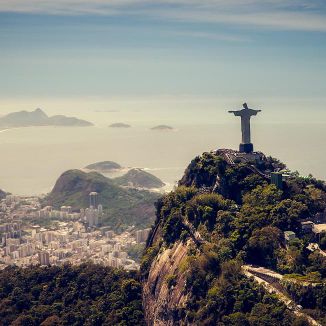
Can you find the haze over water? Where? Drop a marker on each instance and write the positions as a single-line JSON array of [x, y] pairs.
[[34, 157]]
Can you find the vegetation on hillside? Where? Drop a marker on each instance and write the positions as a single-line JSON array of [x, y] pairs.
[[122, 207], [70, 295], [139, 178], [233, 217]]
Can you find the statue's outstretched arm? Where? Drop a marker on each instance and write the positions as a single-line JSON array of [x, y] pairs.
[[236, 113], [256, 111]]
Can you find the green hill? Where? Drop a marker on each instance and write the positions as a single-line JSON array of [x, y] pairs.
[[222, 218], [139, 178], [122, 207]]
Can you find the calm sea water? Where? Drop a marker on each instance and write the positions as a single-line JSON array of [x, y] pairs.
[[33, 158]]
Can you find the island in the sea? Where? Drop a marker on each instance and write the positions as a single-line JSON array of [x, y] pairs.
[[119, 125], [39, 118], [162, 127], [103, 167]]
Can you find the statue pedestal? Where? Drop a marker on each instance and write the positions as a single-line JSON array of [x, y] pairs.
[[246, 148]]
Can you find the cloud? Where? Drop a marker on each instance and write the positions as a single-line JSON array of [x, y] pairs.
[[276, 20], [302, 15], [212, 36]]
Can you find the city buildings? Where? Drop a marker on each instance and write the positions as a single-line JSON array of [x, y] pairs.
[[142, 235], [32, 235], [44, 258]]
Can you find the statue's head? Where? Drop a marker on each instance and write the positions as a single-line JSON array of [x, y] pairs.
[[245, 105]]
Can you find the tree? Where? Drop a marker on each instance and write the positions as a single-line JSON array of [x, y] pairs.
[[286, 215], [262, 245], [322, 241]]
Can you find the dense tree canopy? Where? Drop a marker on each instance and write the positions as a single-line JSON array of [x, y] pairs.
[[70, 295]]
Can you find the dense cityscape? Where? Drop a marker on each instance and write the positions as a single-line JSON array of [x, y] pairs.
[[31, 234]]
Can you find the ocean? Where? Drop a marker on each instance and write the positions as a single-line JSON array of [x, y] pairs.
[[33, 158]]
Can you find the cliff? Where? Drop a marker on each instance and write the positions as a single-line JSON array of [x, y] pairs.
[[163, 292], [225, 215]]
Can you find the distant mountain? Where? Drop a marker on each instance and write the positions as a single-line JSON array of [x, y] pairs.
[[122, 207], [105, 166], [39, 118], [119, 125], [138, 178], [162, 127]]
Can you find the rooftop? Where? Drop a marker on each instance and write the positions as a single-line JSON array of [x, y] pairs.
[[290, 232], [319, 228]]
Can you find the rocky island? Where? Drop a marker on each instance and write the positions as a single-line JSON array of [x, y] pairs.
[[162, 128], [119, 125], [104, 166]]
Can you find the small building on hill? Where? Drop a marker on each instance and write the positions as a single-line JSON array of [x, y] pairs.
[[289, 235], [307, 226], [277, 179]]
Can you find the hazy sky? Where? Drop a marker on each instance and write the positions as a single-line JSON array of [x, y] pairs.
[[178, 62], [223, 48]]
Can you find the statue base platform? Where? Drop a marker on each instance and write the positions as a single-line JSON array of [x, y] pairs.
[[246, 148]]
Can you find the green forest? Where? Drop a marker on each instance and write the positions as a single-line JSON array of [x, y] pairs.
[[70, 295]]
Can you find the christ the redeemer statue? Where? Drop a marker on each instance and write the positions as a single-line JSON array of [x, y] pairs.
[[245, 114]]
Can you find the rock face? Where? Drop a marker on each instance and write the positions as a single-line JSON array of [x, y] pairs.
[[160, 298]]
